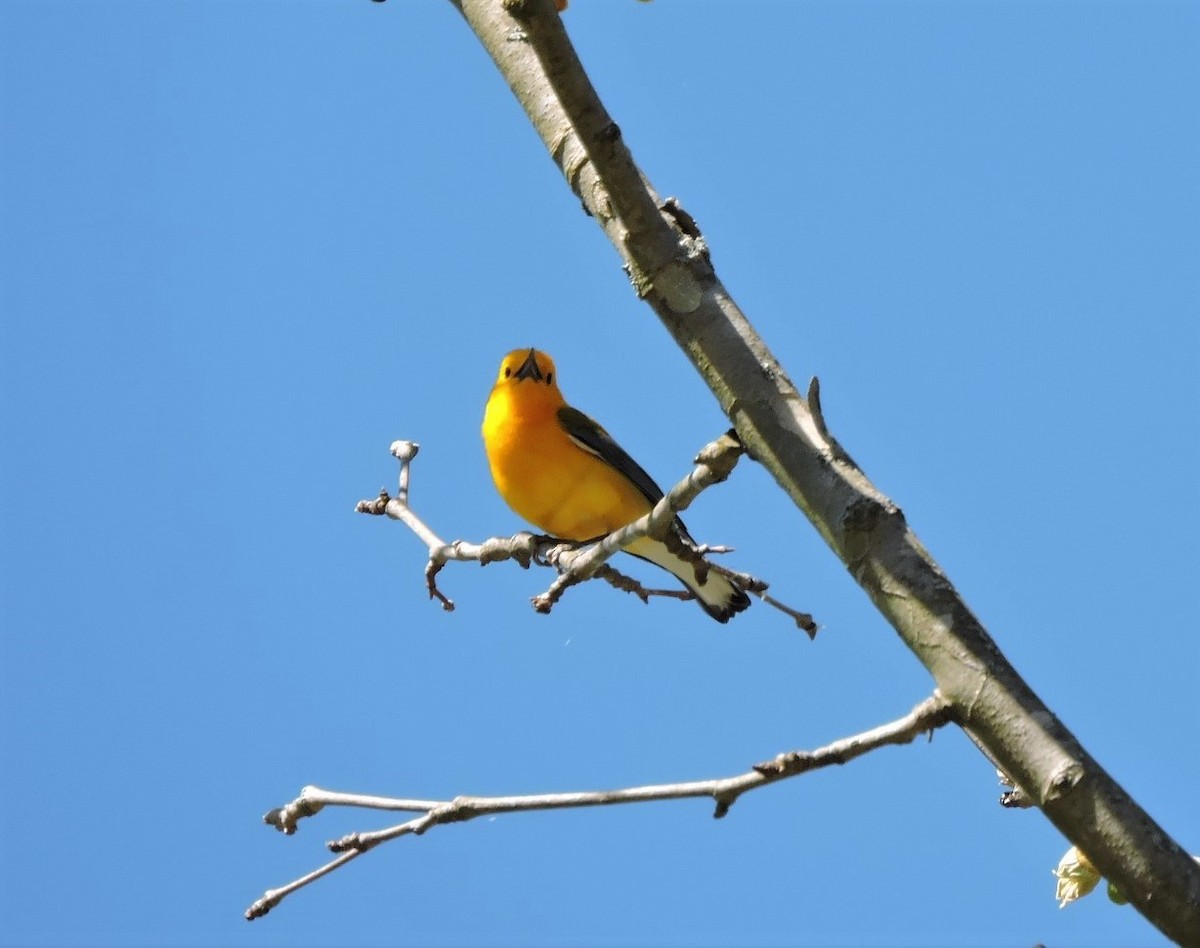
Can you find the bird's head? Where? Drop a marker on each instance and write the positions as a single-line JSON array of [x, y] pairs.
[[526, 365]]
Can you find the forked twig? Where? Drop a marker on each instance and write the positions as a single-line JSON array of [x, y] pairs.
[[577, 562], [930, 714]]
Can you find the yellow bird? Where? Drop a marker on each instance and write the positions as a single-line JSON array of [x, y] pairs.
[[563, 473]]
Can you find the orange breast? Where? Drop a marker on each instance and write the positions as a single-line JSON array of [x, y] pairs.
[[548, 480]]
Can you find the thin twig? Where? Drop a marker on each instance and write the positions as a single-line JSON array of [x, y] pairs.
[[930, 714], [577, 562]]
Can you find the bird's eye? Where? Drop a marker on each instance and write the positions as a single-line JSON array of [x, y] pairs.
[[507, 371], [549, 377]]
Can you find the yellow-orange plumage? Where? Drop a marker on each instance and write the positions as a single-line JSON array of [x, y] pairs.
[[562, 472]]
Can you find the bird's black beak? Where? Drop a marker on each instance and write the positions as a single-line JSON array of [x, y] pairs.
[[529, 368]]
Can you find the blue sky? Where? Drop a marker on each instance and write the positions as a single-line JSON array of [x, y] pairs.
[[245, 245]]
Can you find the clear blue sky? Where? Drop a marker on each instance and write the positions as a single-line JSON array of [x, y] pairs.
[[245, 245]]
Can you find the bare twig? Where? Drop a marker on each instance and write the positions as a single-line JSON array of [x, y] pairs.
[[619, 580], [930, 714], [577, 562]]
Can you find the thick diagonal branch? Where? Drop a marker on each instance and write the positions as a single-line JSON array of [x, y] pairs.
[[663, 251]]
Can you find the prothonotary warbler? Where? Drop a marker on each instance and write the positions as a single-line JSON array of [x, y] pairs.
[[563, 473]]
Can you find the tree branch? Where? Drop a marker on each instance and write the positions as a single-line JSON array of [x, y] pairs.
[[668, 262], [577, 562], [930, 714]]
